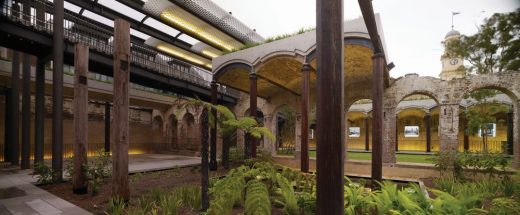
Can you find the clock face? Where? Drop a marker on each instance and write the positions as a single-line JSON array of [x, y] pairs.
[[454, 61]]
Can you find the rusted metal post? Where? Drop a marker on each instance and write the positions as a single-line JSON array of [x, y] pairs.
[[252, 109], [367, 134], [377, 116], [57, 92], [107, 127], [80, 146], [304, 165], [213, 131], [330, 107], [427, 124], [121, 104]]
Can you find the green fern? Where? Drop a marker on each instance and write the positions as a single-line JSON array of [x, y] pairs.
[[290, 204], [257, 199]]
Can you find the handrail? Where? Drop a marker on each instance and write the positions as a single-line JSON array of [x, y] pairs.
[[99, 38]]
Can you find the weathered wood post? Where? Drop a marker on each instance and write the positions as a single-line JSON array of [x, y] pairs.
[[121, 104], [107, 127], [14, 120], [378, 62], [427, 125], [39, 97], [330, 112], [26, 110], [252, 109], [57, 91], [213, 134], [204, 121], [367, 133], [80, 146], [304, 162]]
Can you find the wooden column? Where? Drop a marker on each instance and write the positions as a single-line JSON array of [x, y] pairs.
[[213, 131], [396, 133], [510, 132], [306, 76], [80, 146], [330, 107], [39, 112], [107, 127], [204, 122], [252, 109], [57, 92], [26, 110], [465, 140], [378, 62], [427, 125], [14, 135], [367, 134], [8, 117], [121, 104]]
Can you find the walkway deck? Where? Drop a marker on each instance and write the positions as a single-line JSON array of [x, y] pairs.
[[18, 195]]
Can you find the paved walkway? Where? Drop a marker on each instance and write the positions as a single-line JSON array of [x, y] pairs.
[[18, 195]]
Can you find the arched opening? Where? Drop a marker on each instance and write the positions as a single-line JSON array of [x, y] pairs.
[[487, 121], [285, 130], [188, 133], [359, 126], [417, 123], [172, 131]]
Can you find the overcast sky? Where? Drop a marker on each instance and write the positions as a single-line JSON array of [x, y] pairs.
[[413, 29]]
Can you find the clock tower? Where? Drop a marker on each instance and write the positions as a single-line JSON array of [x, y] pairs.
[[452, 67]]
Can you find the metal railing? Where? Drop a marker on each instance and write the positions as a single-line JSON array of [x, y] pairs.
[[99, 38]]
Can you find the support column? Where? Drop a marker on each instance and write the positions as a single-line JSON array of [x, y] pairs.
[[389, 135], [427, 125], [80, 146], [204, 122], [510, 132], [57, 92], [39, 112], [26, 110], [121, 104], [367, 134], [396, 133], [252, 110], [378, 62], [213, 131], [14, 135], [330, 107], [449, 127], [107, 127], [8, 116], [466, 135], [516, 135], [306, 76]]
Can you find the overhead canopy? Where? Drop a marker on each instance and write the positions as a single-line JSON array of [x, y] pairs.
[[278, 64]]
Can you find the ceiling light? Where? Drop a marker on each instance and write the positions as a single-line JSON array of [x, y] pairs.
[[209, 54], [180, 54]]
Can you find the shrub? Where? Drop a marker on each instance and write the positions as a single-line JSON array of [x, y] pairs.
[[44, 174]]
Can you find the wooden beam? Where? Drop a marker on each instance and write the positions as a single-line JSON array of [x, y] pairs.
[[14, 120], [39, 111], [213, 131], [330, 115], [427, 125], [367, 134], [121, 104], [26, 111], [204, 126], [57, 91], [304, 158], [377, 117], [107, 127], [252, 108], [80, 146]]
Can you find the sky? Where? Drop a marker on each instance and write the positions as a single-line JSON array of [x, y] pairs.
[[413, 29]]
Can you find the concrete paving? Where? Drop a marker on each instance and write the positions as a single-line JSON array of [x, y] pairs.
[[30, 199]]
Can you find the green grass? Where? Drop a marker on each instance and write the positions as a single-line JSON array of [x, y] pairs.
[[410, 158]]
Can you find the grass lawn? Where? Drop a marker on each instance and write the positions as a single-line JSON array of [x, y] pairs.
[[411, 158]]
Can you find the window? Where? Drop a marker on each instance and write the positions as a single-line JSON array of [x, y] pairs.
[[354, 131], [490, 129], [411, 131]]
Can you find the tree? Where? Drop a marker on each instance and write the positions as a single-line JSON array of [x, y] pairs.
[[483, 113], [494, 49]]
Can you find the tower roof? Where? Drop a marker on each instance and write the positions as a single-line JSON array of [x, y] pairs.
[[453, 32]]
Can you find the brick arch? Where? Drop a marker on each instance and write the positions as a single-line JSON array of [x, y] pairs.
[[408, 86]]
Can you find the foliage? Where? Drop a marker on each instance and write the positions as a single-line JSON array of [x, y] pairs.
[[489, 163], [116, 206], [257, 199], [44, 174], [504, 206], [494, 48], [287, 137], [483, 113], [98, 168], [289, 202]]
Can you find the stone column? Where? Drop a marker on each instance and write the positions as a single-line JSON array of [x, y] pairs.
[[389, 136], [449, 127], [80, 146], [121, 104], [427, 126]]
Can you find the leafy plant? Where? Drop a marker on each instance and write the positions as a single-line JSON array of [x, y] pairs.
[[44, 174], [289, 203], [116, 206], [257, 199]]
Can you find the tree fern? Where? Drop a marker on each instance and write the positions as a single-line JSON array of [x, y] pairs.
[[287, 192]]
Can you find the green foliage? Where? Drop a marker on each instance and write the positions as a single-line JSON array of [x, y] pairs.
[[257, 199], [494, 48], [490, 163], [504, 206], [289, 203], [44, 174], [98, 168], [116, 206], [287, 137], [228, 192]]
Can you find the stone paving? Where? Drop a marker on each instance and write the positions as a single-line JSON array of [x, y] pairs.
[[19, 196]]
